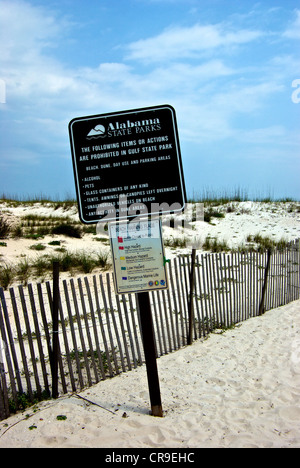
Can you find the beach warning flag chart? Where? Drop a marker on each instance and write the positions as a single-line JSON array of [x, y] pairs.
[[138, 256]]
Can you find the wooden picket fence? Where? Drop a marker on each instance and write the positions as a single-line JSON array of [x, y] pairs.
[[99, 332]]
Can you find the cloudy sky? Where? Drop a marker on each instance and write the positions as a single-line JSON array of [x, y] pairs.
[[231, 70]]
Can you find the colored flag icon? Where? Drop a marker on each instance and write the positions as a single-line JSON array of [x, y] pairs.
[[121, 248], [124, 278], [120, 240], [122, 258], [123, 268]]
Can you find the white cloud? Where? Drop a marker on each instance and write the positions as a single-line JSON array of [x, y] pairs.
[[293, 31], [26, 30], [28, 36], [190, 42], [208, 93], [245, 98]]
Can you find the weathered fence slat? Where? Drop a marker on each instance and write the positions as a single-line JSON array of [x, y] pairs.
[[202, 297], [3, 307], [21, 343], [87, 329], [60, 360], [73, 334], [3, 384], [208, 293], [112, 347], [129, 332], [163, 326], [4, 400], [98, 307], [81, 335], [115, 313], [92, 312], [38, 338], [175, 310], [30, 341], [135, 330], [44, 318], [67, 353], [159, 332]]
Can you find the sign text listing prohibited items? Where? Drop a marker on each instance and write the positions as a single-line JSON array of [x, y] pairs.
[[133, 156]]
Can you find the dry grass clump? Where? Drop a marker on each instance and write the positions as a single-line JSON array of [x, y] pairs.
[[78, 262], [4, 228]]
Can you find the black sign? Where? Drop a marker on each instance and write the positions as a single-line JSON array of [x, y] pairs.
[[126, 164]]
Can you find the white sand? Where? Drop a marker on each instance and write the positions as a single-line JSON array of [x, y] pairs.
[[237, 389]]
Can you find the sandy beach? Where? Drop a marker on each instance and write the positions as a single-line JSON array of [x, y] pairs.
[[240, 388]]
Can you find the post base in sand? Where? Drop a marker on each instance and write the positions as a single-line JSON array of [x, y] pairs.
[[157, 411]]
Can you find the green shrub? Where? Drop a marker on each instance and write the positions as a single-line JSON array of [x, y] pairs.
[[265, 243], [24, 400], [67, 230], [37, 247], [4, 228], [23, 271], [212, 213], [84, 262], [102, 260], [6, 276], [175, 242], [54, 243], [213, 245], [17, 231], [41, 265]]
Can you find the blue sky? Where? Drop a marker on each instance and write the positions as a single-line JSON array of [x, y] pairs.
[[231, 70]]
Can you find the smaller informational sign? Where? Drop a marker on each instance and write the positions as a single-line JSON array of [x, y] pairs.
[[138, 256]]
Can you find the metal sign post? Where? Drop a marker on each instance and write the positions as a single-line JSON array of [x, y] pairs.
[[150, 353]]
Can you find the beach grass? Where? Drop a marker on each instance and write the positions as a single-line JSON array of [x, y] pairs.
[[238, 194], [206, 195], [36, 227], [74, 262]]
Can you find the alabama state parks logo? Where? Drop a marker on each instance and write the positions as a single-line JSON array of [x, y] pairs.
[[98, 132], [115, 129]]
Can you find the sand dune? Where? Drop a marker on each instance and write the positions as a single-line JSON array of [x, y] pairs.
[[276, 220]]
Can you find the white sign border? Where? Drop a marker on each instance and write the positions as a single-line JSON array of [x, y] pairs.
[[125, 113]]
